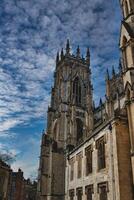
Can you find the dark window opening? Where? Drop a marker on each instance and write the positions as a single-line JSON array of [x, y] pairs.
[[101, 153], [88, 160], [79, 194], [77, 91], [71, 194], [79, 126], [55, 131], [103, 192], [72, 171], [79, 169], [89, 192], [133, 53], [124, 53]]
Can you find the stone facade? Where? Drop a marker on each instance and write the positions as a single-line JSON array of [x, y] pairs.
[[127, 49], [117, 169], [16, 186], [5, 172], [70, 120], [30, 190], [88, 152]]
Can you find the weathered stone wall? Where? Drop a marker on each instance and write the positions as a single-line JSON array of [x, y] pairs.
[[124, 160], [97, 176], [117, 174]]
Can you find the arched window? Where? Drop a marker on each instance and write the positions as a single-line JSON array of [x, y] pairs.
[[126, 9], [77, 91], [124, 53], [79, 127]]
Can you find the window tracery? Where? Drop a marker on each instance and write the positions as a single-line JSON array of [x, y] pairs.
[[77, 91]]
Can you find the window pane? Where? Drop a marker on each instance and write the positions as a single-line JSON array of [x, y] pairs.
[[103, 193]]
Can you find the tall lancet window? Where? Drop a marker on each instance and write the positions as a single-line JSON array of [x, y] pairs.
[[79, 124], [77, 91], [124, 53], [126, 9]]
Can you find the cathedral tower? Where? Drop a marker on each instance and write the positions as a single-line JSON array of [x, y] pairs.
[[70, 120], [127, 50]]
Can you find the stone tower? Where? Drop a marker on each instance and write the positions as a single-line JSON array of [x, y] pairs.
[[127, 50], [70, 120]]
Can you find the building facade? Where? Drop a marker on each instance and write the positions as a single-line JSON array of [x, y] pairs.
[[17, 186], [127, 50], [5, 172], [88, 153], [30, 190]]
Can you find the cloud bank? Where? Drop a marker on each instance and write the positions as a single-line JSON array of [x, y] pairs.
[[31, 32]]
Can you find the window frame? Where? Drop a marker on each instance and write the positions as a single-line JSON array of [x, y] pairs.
[[79, 193], [87, 189], [72, 169], [71, 194], [79, 165], [77, 91], [89, 160], [101, 154], [103, 190]]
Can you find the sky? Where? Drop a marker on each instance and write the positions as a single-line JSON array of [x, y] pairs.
[[31, 32]]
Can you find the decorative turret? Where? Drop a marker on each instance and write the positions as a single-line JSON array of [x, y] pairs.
[[113, 71], [107, 75], [120, 66], [93, 105], [78, 52], [68, 47], [88, 56], [62, 54], [100, 102], [57, 58], [127, 8]]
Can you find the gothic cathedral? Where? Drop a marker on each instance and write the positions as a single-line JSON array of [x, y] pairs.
[[87, 152]]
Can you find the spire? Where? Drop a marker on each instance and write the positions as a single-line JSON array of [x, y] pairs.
[[113, 71], [100, 102], [62, 54], [107, 75], [93, 105], [68, 47], [57, 58], [78, 51], [120, 66], [88, 56], [88, 53]]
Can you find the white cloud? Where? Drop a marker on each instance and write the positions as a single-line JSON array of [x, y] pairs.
[[8, 124], [28, 161]]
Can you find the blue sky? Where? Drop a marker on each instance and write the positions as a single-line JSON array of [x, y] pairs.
[[31, 32]]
